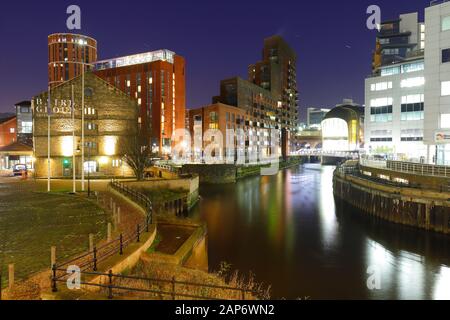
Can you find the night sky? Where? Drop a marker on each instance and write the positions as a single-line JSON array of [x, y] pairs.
[[218, 39]]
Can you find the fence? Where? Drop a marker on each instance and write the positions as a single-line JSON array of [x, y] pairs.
[[91, 259], [418, 168], [113, 286]]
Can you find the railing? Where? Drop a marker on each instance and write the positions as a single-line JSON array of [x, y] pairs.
[[92, 258], [113, 285], [419, 169], [326, 153], [134, 195], [167, 167], [408, 167]]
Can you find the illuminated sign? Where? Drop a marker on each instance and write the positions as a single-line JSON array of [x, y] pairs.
[[60, 106]]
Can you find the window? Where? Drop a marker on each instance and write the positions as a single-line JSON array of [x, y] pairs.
[[412, 67], [380, 102], [27, 127], [409, 135], [390, 71], [445, 23], [380, 86], [412, 82], [12, 130], [445, 55], [413, 98], [90, 166], [445, 121], [381, 114], [116, 163], [445, 88], [381, 136], [412, 111]]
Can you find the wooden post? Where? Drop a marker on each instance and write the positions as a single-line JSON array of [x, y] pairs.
[[427, 216], [109, 231], [91, 242], [110, 203], [118, 215], [114, 207], [11, 276], [52, 256]]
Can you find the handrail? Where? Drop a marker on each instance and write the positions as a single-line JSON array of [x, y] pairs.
[[111, 276], [93, 257]]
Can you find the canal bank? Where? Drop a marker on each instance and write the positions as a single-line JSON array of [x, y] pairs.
[[230, 173], [419, 207]]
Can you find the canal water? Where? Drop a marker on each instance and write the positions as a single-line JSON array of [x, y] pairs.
[[288, 231]]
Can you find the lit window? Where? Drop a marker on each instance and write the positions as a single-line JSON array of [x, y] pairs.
[[445, 121], [139, 101], [150, 80], [445, 88], [412, 82], [12, 130], [380, 102], [128, 83], [414, 98], [139, 88], [380, 86], [27, 127], [445, 23]]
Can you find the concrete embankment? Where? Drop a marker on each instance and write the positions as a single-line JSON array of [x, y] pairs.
[[230, 173], [420, 208]]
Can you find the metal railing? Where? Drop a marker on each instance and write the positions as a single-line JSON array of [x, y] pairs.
[[113, 285], [408, 167], [92, 258], [419, 169], [135, 195]]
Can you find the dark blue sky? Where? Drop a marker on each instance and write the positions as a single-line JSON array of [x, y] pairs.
[[219, 39]]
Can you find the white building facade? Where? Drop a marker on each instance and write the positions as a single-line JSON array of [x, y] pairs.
[[394, 113], [437, 87], [408, 102]]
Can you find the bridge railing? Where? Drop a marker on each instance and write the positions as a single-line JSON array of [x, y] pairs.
[[326, 153]]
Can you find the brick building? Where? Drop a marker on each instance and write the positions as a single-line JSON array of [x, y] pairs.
[[8, 131], [156, 81], [67, 54], [111, 120]]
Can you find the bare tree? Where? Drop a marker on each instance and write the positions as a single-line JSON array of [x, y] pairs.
[[138, 152]]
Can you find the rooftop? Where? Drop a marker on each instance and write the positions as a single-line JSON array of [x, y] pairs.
[[146, 57]]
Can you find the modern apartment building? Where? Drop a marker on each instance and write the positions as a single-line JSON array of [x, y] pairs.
[[269, 97], [67, 55], [277, 73], [394, 93], [156, 81], [220, 117]]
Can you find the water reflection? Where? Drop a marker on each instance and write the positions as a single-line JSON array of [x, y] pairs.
[[288, 230]]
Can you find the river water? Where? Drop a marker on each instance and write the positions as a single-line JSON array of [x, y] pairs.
[[288, 231]]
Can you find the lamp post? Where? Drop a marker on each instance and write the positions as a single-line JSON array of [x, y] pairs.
[[89, 170]]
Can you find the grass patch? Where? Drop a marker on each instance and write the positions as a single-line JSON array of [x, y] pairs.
[[160, 195], [155, 243], [32, 222]]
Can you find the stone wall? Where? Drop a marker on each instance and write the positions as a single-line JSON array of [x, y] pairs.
[[212, 173], [420, 208], [110, 122]]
